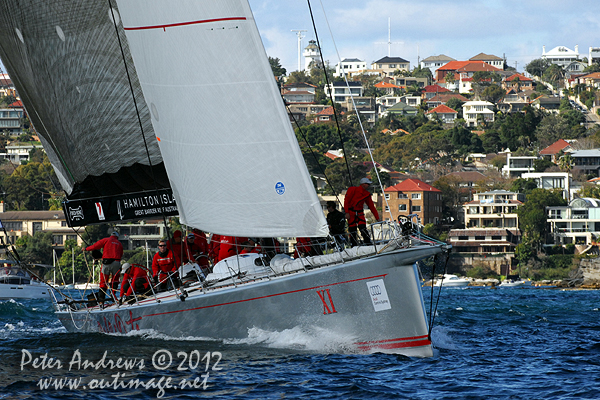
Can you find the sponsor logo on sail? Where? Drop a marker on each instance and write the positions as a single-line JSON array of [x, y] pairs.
[[76, 214], [119, 210], [280, 188], [100, 211]]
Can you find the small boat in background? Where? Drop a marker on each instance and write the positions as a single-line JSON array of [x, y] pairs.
[[16, 282], [515, 283], [450, 280]]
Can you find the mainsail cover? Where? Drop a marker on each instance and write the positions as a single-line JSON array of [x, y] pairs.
[[65, 60], [229, 149]]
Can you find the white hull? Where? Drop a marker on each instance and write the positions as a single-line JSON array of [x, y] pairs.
[[521, 283], [33, 290], [374, 301], [451, 281]]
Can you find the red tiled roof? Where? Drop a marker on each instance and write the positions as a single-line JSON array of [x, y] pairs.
[[16, 104], [474, 66], [555, 147], [434, 89], [386, 85], [454, 65], [522, 78], [412, 185], [326, 111], [443, 109]]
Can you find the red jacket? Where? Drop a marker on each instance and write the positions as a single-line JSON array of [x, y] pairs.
[[215, 247], [111, 246], [354, 203], [131, 276], [163, 264], [230, 246]]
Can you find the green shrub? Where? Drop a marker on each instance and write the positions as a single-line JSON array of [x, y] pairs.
[[481, 272]]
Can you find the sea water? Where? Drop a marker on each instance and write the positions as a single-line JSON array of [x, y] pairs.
[[506, 343]]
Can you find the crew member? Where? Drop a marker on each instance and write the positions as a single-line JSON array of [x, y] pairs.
[[354, 203], [336, 220], [112, 252], [176, 246], [135, 280], [163, 264]]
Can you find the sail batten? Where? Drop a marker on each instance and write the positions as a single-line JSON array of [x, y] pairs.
[[229, 149], [65, 60]]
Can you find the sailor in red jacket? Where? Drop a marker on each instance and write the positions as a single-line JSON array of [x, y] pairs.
[[163, 263], [176, 246], [354, 203], [214, 247], [135, 279], [230, 246], [112, 252]]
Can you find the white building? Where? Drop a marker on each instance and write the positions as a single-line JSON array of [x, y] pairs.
[[517, 165], [342, 90], [434, 62], [311, 53], [551, 181], [473, 109], [350, 66], [561, 55], [577, 223]]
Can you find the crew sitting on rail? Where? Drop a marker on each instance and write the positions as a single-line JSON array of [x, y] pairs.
[[163, 264], [135, 280]]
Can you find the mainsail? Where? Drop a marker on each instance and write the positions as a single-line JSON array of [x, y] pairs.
[[228, 146], [67, 63]]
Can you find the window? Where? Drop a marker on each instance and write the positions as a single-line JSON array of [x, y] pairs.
[[13, 225], [387, 196], [387, 209], [415, 196], [57, 239], [479, 237], [402, 195], [415, 208], [63, 223], [496, 237], [463, 238], [402, 207], [72, 237], [37, 226]]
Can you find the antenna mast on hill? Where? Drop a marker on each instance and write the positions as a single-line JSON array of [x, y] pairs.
[[389, 42], [300, 36]]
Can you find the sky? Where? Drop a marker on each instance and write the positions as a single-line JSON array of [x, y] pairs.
[[461, 29]]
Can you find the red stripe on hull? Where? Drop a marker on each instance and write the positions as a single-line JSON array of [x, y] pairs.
[[398, 345], [205, 21]]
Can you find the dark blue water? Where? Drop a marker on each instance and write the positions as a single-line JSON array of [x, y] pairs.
[[518, 343]]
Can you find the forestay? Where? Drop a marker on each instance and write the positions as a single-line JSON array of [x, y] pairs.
[[229, 149]]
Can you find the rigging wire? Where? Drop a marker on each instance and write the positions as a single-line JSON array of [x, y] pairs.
[[112, 12], [313, 154], [330, 93], [353, 103]]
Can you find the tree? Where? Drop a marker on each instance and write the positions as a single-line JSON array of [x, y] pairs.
[[542, 164], [492, 93], [450, 187], [419, 72], [590, 190], [524, 186], [566, 163], [554, 74], [533, 217], [455, 104], [537, 67], [36, 249], [278, 71]]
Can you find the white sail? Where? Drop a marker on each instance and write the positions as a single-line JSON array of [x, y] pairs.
[[230, 151]]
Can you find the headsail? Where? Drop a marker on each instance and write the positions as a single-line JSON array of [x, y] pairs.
[[65, 60], [230, 151]]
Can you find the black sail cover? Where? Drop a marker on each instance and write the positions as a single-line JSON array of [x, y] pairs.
[[67, 62]]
